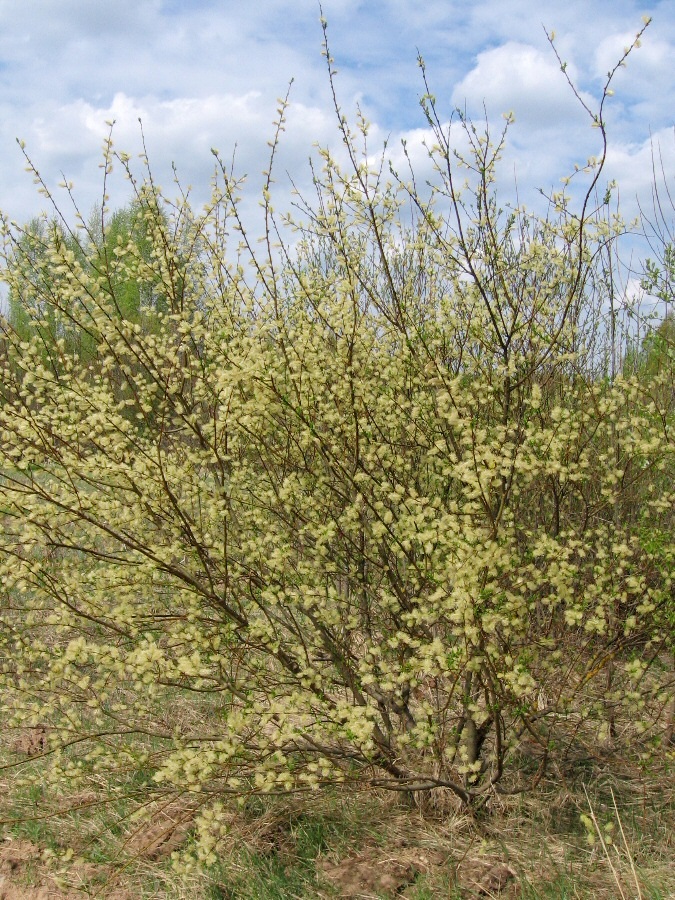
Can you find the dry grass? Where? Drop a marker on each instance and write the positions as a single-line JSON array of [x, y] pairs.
[[366, 846]]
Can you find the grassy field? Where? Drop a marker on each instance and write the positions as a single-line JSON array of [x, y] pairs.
[[367, 845]]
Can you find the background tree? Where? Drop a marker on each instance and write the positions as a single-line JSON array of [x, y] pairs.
[[95, 248]]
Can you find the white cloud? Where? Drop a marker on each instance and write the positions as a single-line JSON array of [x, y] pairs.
[[208, 74], [652, 59], [639, 167], [519, 78]]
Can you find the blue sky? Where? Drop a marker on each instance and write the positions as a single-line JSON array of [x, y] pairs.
[[207, 73]]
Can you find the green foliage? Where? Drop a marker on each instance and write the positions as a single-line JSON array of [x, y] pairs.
[[108, 255], [359, 512], [660, 276], [658, 348]]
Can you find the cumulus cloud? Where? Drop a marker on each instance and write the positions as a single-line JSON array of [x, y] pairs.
[[641, 167], [522, 79], [208, 74], [650, 60]]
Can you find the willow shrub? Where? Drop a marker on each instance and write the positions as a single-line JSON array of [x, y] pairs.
[[359, 508]]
